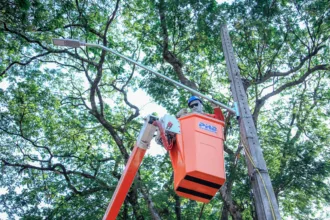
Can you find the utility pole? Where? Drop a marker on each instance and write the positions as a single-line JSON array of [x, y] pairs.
[[265, 201]]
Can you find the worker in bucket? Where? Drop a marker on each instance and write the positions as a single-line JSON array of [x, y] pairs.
[[196, 105]]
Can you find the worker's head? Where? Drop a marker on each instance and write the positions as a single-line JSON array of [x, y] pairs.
[[195, 104]]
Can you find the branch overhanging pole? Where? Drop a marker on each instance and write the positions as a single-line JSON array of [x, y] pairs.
[[77, 43]]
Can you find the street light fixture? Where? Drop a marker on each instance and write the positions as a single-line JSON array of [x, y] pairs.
[[77, 43], [67, 43]]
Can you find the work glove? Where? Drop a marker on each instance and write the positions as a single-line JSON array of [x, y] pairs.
[[182, 112]]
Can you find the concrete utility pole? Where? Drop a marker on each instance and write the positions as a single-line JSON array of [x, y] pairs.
[[265, 201]]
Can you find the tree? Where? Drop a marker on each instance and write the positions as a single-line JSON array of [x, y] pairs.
[[76, 142], [67, 126]]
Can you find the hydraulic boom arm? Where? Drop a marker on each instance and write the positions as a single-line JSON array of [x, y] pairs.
[[132, 166], [167, 126]]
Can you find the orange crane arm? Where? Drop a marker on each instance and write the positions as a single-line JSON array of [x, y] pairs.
[[125, 183], [132, 166]]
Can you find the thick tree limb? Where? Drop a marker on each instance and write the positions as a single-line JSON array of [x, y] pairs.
[[34, 143], [137, 111], [105, 42], [270, 74], [92, 30], [62, 64], [93, 177], [66, 174], [226, 189], [99, 115], [24, 63], [260, 102], [150, 203], [167, 54], [50, 50]]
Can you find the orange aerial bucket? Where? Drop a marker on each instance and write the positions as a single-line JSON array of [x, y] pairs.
[[197, 157]]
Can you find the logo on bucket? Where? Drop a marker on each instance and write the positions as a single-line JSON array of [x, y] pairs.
[[207, 127]]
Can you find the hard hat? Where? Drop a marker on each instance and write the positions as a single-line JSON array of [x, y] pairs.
[[194, 98]]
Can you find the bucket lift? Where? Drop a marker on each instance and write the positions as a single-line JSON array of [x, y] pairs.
[[195, 145], [197, 157], [182, 172]]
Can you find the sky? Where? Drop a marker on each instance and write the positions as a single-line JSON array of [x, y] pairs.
[[147, 106]]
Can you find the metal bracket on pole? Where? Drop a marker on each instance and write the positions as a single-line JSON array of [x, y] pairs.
[[236, 110]]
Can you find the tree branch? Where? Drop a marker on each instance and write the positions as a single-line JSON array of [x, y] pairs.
[[260, 102], [66, 174], [270, 74], [75, 55], [86, 27], [167, 54], [25, 63], [105, 42], [137, 111]]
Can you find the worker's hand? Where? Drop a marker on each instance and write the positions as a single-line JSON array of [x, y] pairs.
[[182, 112]]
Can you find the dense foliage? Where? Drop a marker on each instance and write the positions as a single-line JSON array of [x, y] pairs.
[[67, 125]]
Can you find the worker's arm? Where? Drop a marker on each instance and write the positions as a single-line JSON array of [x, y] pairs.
[[182, 112]]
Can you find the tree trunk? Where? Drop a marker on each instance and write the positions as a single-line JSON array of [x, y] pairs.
[[224, 213]]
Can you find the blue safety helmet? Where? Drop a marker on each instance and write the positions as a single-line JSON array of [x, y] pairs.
[[193, 98]]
